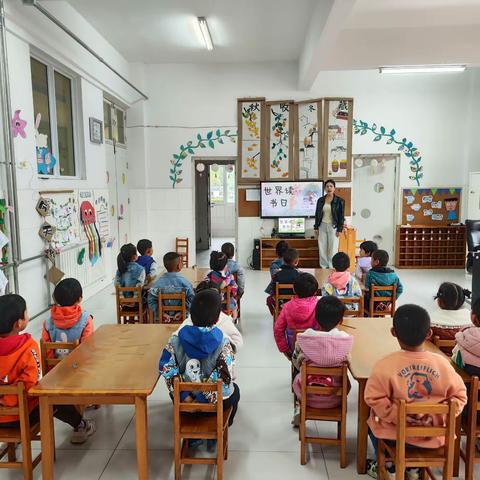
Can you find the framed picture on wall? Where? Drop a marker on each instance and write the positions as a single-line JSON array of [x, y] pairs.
[[96, 130], [251, 140], [337, 138], [308, 140], [280, 127]]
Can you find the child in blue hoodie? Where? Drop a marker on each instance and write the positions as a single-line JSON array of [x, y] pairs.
[[201, 353]]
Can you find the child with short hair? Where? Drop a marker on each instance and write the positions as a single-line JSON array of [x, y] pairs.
[[233, 267], [412, 374], [380, 275], [67, 321], [170, 282], [204, 346], [129, 273], [280, 249], [297, 314], [20, 362], [342, 283], [287, 274], [364, 261], [146, 260], [221, 276], [326, 346], [451, 316]]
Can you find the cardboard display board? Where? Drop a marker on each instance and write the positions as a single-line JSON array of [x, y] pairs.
[[346, 194], [431, 206], [247, 208]]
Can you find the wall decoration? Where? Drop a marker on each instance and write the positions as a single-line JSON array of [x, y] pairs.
[[212, 137], [431, 206], [46, 231], [54, 275], [96, 130], [308, 145], [45, 160], [43, 207], [280, 127], [51, 254], [406, 147], [87, 216], [18, 125], [251, 146], [81, 257], [101, 207], [338, 138]]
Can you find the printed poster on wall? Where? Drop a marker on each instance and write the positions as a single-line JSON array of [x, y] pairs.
[[338, 138]]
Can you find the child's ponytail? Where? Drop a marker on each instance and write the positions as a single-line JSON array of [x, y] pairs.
[[127, 253], [452, 296]]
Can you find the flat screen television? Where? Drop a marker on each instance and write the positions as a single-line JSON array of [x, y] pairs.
[[291, 225], [289, 199]]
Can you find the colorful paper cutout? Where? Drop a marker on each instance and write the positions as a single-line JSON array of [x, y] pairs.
[[18, 125]]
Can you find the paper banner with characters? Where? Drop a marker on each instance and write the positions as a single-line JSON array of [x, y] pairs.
[[431, 206]]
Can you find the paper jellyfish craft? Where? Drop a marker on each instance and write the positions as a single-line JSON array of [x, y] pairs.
[[87, 215]]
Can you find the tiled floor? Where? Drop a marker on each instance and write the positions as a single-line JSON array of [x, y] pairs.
[[263, 445]]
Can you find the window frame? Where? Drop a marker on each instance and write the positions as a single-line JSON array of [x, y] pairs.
[[113, 108], [52, 67]]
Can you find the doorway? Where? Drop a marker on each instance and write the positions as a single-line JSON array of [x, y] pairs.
[[474, 196], [117, 174], [215, 205], [374, 199]]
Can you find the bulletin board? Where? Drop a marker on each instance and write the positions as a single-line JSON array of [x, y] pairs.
[[431, 206]]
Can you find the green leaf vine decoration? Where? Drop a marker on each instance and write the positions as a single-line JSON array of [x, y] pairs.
[[404, 146], [210, 139]]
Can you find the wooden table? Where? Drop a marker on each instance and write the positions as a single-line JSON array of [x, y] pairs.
[[195, 274], [321, 274], [118, 364], [372, 341]]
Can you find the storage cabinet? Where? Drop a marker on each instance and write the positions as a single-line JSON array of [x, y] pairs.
[[307, 248], [430, 247]]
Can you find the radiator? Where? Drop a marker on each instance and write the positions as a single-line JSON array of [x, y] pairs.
[[86, 273]]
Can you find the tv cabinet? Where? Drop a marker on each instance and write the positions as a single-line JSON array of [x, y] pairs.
[[307, 248]]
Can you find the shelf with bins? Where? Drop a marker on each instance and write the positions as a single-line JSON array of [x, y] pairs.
[[307, 249], [430, 247]]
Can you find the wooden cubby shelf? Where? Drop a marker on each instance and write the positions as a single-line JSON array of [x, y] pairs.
[[430, 247], [307, 248]]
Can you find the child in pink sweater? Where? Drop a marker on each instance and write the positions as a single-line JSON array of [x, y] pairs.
[[412, 374], [296, 314], [326, 347]]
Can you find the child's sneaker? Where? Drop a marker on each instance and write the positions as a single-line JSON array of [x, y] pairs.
[[296, 417], [83, 431], [195, 442], [412, 474], [372, 469], [211, 445]]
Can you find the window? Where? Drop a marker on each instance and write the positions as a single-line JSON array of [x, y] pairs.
[[230, 183], [114, 119], [54, 120], [222, 184], [107, 121]]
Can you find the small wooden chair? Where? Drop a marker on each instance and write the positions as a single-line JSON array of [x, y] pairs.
[[181, 247], [294, 371], [226, 298], [23, 435], [471, 430], [388, 299], [281, 298], [337, 414], [405, 457], [130, 309], [237, 298], [445, 345], [188, 426], [355, 300], [48, 362], [164, 311]]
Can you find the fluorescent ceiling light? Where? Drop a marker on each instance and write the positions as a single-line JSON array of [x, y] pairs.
[[202, 23], [423, 69]]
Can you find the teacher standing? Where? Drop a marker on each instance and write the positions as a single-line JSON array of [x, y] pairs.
[[329, 220]]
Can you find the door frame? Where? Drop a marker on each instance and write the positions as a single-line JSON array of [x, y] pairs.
[[468, 190], [210, 160], [396, 158]]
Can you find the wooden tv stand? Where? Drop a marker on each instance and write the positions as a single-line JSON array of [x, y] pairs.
[[307, 248]]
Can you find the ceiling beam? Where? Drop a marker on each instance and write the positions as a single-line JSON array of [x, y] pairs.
[[326, 23]]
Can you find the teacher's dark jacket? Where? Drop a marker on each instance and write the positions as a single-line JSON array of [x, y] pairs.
[[338, 212]]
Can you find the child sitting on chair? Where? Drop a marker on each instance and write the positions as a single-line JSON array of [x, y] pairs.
[[297, 314], [170, 282], [67, 321], [415, 375], [221, 277], [276, 265], [146, 260], [341, 283], [20, 362], [287, 274], [326, 347], [364, 261], [130, 273], [234, 268], [451, 316], [381, 276]]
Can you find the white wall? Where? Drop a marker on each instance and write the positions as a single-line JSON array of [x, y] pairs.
[[28, 29], [431, 111]]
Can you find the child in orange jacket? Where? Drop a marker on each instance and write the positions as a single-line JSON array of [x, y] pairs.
[[415, 375], [67, 322], [20, 362]]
